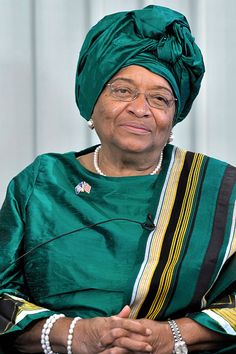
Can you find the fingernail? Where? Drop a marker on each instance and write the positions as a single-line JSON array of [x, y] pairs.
[[100, 345], [148, 331], [148, 348]]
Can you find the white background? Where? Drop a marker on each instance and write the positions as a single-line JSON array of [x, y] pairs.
[[39, 46]]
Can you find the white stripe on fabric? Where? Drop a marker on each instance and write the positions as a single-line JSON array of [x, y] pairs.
[[221, 321], [24, 313], [146, 256]]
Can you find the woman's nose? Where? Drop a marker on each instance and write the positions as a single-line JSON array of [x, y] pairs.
[[139, 106]]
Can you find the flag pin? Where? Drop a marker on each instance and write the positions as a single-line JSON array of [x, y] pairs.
[[82, 187]]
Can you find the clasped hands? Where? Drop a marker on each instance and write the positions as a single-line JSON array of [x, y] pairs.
[[121, 335]]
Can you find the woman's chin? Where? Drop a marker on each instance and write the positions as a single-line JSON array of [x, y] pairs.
[[136, 147]]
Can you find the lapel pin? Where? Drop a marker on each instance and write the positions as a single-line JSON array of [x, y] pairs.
[[82, 187]]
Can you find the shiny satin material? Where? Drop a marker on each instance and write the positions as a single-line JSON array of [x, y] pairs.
[[186, 267], [88, 265], [156, 38]]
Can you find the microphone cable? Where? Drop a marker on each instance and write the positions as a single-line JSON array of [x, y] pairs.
[[148, 225]]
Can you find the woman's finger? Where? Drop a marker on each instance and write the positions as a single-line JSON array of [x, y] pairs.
[[125, 312], [131, 325], [116, 350], [133, 344], [122, 338]]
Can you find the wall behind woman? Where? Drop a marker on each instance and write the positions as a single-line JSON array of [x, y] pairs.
[[40, 43]]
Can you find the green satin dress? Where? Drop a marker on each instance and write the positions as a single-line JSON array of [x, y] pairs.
[[89, 251]]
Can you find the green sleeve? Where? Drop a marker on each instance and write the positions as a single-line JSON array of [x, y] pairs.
[[219, 310], [219, 314], [16, 309]]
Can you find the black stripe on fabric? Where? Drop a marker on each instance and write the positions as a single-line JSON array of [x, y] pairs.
[[225, 302], [217, 236], [168, 236], [182, 313], [8, 312]]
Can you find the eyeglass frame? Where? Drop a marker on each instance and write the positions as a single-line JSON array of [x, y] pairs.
[[137, 93]]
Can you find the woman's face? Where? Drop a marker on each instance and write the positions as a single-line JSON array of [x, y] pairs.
[[134, 126]]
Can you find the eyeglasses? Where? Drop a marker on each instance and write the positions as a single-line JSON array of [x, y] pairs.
[[158, 98]]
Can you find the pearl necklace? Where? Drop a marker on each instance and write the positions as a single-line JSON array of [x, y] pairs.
[[99, 171]]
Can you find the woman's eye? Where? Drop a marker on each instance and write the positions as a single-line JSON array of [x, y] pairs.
[[160, 98], [123, 90]]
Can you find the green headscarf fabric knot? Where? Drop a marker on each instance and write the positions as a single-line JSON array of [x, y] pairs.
[[156, 38]]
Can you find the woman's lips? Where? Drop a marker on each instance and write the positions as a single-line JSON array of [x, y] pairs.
[[136, 128]]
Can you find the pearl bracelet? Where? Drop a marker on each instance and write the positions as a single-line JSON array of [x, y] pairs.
[[70, 335], [46, 331]]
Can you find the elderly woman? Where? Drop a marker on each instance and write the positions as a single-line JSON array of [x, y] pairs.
[[129, 246]]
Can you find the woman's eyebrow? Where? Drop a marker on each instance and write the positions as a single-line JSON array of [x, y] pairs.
[[156, 87], [124, 79]]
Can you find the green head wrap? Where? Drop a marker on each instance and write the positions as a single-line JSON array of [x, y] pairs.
[[156, 38]]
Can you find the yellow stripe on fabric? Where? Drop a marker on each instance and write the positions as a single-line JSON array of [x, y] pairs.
[[228, 314], [24, 308], [178, 238], [158, 236]]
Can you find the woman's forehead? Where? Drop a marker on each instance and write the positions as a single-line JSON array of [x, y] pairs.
[[139, 75]]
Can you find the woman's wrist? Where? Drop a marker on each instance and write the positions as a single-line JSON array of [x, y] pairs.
[[71, 334], [47, 327], [29, 341], [59, 335], [198, 337]]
